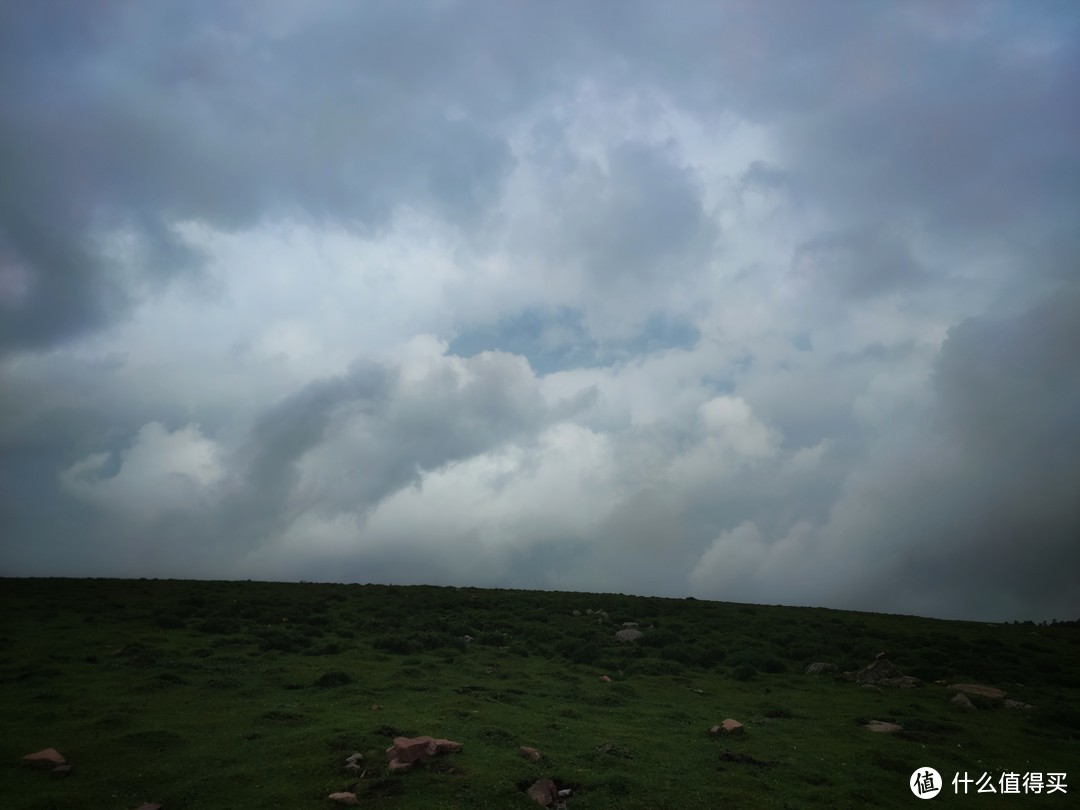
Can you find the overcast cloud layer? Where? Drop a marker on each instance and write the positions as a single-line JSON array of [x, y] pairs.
[[771, 302]]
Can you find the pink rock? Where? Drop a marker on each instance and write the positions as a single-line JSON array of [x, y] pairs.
[[415, 749], [529, 753], [732, 726], [714, 730], [399, 767], [49, 758], [543, 791], [605, 679], [343, 798], [447, 746]]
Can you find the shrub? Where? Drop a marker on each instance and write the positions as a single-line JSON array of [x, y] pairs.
[[333, 678]]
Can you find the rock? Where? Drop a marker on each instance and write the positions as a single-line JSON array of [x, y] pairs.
[[375, 707], [714, 730], [881, 656], [412, 749], [962, 700], [353, 767], [822, 669], [529, 753], [978, 689], [882, 727], [60, 771], [903, 682], [467, 639], [565, 793], [629, 624], [148, 806], [344, 798], [1014, 704], [577, 612], [605, 679], [447, 746], [406, 751], [881, 670], [732, 726], [847, 676], [354, 758], [588, 611], [48, 758], [543, 791], [628, 634]]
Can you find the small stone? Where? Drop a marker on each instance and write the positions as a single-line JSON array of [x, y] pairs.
[[60, 771], [544, 792], [396, 766], [962, 700], [821, 668], [605, 679], [714, 730], [48, 758], [881, 727], [732, 726], [148, 806], [529, 753], [628, 634], [375, 707], [565, 793], [1016, 704], [577, 612], [344, 798], [354, 757]]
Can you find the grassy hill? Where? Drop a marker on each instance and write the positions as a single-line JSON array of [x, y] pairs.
[[248, 694]]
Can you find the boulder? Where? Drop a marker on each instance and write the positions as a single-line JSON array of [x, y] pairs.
[[962, 700], [881, 670], [344, 798], [821, 668], [732, 726], [529, 753], [628, 634], [881, 727], [1014, 704], [47, 758], [544, 792], [412, 749], [406, 751], [447, 746], [978, 689]]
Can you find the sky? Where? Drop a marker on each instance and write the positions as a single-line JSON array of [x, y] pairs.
[[771, 302]]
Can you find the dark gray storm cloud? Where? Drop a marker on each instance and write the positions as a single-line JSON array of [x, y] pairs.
[[774, 302]]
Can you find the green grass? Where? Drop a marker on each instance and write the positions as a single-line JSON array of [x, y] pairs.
[[246, 694]]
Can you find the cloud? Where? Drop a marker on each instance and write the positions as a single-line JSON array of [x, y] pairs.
[[163, 471], [719, 301]]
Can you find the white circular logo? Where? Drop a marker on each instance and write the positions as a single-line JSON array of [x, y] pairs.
[[925, 783]]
